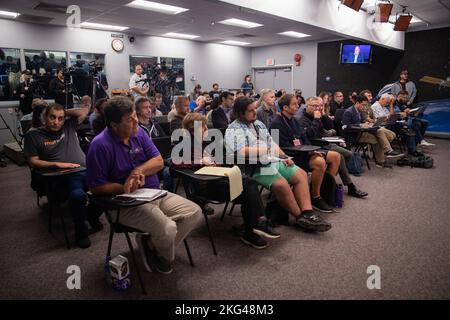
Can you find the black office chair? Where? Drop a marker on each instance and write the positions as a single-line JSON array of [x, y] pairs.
[[339, 114], [108, 204]]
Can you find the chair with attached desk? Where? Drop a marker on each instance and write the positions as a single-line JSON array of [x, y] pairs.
[[109, 204], [353, 137], [44, 182]]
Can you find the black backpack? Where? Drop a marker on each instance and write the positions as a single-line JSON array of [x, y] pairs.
[[419, 162], [423, 162]]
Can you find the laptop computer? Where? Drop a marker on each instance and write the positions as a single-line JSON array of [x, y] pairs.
[[379, 122]]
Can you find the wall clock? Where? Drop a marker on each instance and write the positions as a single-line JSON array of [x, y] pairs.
[[117, 45]]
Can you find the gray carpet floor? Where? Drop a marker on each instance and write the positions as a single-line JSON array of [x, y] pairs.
[[403, 227]]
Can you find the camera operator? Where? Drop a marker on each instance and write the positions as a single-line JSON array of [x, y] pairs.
[[60, 90], [25, 93], [138, 84], [163, 83], [101, 83]]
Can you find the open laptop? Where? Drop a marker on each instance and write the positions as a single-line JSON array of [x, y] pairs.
[[379, 122], [418, 111]]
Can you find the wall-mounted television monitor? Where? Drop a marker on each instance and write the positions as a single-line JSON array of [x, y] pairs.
[[355, 54]]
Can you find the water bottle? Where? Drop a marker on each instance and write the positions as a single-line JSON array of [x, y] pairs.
[[339, 197], [117, 273]]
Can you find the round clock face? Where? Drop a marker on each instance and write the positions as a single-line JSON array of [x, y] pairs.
[[117, 45]]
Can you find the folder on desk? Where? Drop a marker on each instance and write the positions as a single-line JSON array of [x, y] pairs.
[[234, 175]]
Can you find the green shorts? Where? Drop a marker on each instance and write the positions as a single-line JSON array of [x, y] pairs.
[[266, 175]]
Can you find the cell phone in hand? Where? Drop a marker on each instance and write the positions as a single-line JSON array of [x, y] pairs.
[[124, 199]]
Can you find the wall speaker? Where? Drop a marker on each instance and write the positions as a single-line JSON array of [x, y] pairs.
[[353, 4], [383, 12], [402, 22]]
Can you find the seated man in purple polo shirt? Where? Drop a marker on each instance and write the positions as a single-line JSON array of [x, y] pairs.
[[123, 158]]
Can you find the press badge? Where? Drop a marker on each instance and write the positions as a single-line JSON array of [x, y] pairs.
[[296, 142]]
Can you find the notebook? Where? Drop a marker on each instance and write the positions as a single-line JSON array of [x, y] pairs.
[[146, 194], [234, 175]]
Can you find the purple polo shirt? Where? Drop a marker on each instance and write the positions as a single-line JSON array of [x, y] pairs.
[[110, 160]]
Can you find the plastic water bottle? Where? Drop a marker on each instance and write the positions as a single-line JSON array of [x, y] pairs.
[[339, 197], [120, 281]]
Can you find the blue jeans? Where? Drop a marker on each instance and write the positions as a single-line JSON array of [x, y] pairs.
[[73, 188], [420, 126]]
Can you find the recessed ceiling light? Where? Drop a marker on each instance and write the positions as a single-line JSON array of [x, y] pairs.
[[235, 43], [155, 6], [180, 35], [294, 34], [101, 26], [240, 23], [9, 14]]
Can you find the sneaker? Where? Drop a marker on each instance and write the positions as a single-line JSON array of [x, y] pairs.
[[84, 242], [254, 240], [238, 230], [393, 154], [162, 265], [383, 165], [313, 223], [264, 228], [208, 210], [425, 143], [321, 205], [141, 240], [95, 224], [355, 192]]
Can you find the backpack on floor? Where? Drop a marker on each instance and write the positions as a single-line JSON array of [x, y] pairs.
[[355, 165], [425, 162]]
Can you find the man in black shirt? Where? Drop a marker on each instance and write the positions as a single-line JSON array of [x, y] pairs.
[[59, 91], [290, 135], [56, 146], [337, 103], [312, 125]]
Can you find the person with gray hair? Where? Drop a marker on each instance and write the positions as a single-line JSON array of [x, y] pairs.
[[384, 107], [266, 111]]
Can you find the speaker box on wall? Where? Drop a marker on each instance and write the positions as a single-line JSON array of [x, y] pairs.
[[353, 4], [402, 23]]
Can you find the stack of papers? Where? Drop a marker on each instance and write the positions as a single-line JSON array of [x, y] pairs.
[[146, 194], [333, 139], [234, 175]]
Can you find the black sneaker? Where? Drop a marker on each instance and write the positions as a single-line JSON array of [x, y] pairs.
[[264, 228], [84, 242], [393, 154], [162, 265], [384, 165], [321, 205], [313, 223], [95, 224], [355, 192], [254, 240], [208, 210]]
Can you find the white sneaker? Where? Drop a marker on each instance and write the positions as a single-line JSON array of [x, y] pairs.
[[426, 143]]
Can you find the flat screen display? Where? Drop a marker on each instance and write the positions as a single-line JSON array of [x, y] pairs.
[[356, 53]]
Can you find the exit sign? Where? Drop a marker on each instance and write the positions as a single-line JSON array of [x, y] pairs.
[[270, 62]]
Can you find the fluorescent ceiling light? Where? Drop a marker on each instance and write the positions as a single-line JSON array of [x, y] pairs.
[[9, 14], [101, 26], [155, 6], [240, 23], [235, 43], [294, 34], [180, 35]]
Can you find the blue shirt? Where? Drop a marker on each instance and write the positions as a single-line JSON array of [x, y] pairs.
[[109, 160]]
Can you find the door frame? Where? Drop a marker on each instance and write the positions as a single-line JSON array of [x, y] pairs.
[[277, 66]]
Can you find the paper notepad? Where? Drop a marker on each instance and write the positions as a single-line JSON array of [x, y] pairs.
[[234, 175], [146, 194]]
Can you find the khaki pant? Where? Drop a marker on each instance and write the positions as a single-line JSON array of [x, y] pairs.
[[380, 141], [168, 220]]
